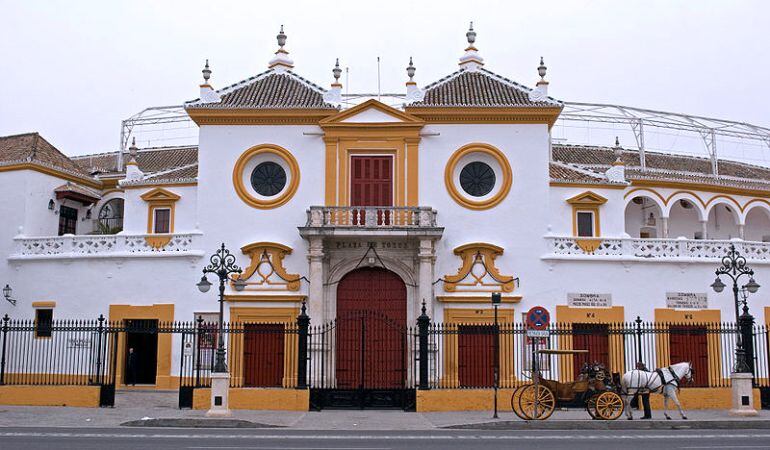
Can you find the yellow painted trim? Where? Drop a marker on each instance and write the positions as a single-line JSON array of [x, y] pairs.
[[587, 202], [707, 317], [650, 191], [439, 400], [567, 316], [52, 172], [110, 191], [302, 116], [505, 167], [507, 299], [162, 313], [44, 304], [160, 195], [748, 191], [726, 197], [243, 191], [257, 398], [270, 254], [246, 315], [159, 198], [546, 115], [587, 198], [471, 254], [337, 119], [74, 396], [234, 298], [453, 317]]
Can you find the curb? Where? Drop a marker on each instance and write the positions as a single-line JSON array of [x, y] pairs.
[[196, 423], [617, 425]]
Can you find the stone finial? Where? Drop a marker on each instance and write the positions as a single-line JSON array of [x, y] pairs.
[[281, 38], [410, 70], [541, 69], [471, 35], [471, 60], [206, 72], [618, 153], [337, 71], [281, 62]]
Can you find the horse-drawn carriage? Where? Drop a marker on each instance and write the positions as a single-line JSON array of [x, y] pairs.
[[595, 388]]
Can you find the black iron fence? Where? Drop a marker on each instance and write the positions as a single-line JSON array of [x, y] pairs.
[[365, 352]]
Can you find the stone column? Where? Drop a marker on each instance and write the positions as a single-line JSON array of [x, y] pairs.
[[426, 259], [664, 227], [741, 231], [315, 301], [704, 228]]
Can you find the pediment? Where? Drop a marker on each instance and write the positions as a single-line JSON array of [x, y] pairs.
[[372, 112], [160, 194], [587, 198]]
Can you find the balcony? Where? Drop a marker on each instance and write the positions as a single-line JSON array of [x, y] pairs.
[[664, 250], [105, 246], [371, 220]]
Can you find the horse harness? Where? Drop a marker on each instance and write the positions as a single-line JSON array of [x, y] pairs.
[[674, 378]]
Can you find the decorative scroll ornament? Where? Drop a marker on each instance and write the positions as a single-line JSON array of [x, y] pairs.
[[478, 272], [266, 271]]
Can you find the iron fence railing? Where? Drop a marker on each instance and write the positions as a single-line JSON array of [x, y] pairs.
[[368, 351]]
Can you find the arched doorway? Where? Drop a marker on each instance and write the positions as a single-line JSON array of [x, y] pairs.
[[371, 340]]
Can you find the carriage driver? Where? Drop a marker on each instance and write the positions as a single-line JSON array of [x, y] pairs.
[[645, 394]]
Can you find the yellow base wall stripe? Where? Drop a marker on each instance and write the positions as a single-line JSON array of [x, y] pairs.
[[80, 396], [257, 398]]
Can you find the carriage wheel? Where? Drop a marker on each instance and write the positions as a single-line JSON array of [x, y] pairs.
[[591, 406], [546, 402], [515, 405], [609, 405]]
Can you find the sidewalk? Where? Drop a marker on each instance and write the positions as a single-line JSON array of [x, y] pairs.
[[137, 405]]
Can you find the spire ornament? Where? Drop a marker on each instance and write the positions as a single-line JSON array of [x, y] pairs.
[[281, 62], [334, 95], [206, 73], [541, 70], [471, 60], [410, 70], [413, 93], [337, 71]]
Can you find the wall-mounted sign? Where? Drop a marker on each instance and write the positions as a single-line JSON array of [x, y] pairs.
[[78, 342], [687, 300], [587, 300]]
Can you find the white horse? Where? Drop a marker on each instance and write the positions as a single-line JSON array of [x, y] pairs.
[[665, 380]]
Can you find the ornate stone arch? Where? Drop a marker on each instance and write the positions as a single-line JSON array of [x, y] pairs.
[[729, 202], [754, 204], [691, 197], [646, 193]]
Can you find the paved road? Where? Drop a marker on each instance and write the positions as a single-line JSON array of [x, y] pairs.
[[153, 438]]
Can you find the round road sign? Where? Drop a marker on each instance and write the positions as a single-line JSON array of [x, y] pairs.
[[538, 318]]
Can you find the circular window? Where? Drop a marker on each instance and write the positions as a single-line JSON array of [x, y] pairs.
[[477, 179], [268, 178], [478, 176]]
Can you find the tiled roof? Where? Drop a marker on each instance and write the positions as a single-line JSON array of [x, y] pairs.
[[665, 166], [562, 172], [480, 88], [189, 172], [32, 148], [78, 189], [271, 90], [149, 160]]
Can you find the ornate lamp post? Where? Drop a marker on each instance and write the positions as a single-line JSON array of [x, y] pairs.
[[222, 265], [734, 266]]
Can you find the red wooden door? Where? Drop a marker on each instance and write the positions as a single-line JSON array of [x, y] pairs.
[[263, 353], [593, 337], [371, 184], [476, 355], [370, 330], [688, 343]]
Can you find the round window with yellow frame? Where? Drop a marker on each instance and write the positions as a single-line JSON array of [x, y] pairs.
[[478, 176], [266, 176]]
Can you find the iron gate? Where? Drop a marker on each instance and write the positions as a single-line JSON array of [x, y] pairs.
[[362, 360]]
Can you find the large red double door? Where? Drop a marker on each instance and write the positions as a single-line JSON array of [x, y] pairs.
[[371, 340]]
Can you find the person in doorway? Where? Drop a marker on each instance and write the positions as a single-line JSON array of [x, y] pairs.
[[131, 367], [644, 395]]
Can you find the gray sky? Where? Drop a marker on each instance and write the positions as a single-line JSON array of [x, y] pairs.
[[72, 70]]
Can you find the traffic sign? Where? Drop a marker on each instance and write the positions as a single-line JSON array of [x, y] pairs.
[[537, 333], [538, 318]]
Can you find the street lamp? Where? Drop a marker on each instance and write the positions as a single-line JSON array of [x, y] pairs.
[[7, 292], [734, 266], [496, 300], [222, 265]]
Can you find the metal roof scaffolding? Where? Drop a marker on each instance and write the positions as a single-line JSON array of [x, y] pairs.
[[640, 121]]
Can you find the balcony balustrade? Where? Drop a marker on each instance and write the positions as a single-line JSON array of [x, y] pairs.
[[104, 245], [676, 250], [371, 220]]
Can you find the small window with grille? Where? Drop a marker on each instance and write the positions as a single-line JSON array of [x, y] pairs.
[[68, 220]]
